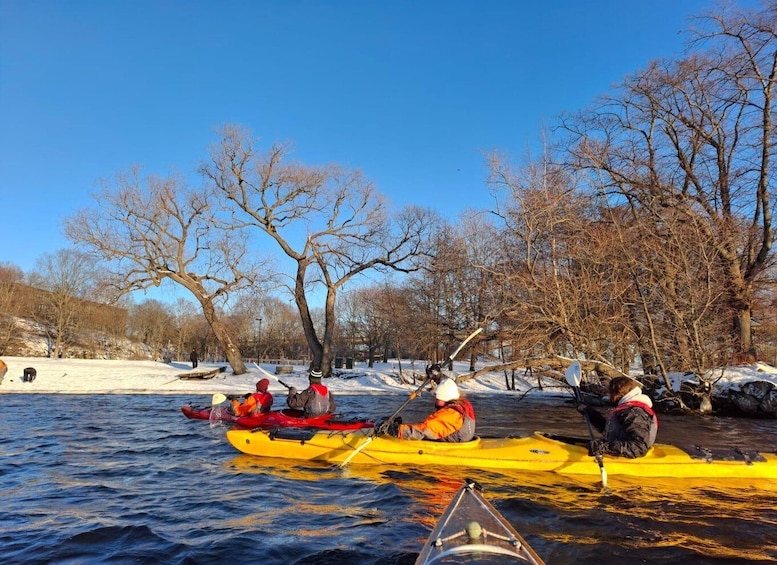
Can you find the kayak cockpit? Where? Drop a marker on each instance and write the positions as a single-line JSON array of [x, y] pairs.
[[484, 551]]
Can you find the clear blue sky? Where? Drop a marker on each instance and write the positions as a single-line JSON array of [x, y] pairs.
[[411, 93]]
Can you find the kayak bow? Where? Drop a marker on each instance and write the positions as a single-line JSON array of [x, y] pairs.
[[471, 530]]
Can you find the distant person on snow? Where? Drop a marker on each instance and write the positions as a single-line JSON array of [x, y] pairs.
[[29, 375], [258, 402], [453, 419], [630, 430], [316, 400], [194, 358]]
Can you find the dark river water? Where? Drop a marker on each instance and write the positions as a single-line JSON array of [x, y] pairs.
[[127, 479]]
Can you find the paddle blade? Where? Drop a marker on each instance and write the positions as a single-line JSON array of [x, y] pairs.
[[452, 356], [574, 374], [218, 398], [604, 475]]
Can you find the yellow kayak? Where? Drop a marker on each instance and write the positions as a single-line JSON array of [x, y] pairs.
[[539, 452]]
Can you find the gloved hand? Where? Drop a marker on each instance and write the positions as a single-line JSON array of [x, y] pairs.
[[292, 390], [584, 409], [597, 447], [393, 429], [384, 427]]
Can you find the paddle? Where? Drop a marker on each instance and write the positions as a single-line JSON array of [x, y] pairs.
[[272, 376], [383, 428], [574, 375], [218, 398]]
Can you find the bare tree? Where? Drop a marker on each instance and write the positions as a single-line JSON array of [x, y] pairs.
[[187, 317], [153, 323], [154, 230], [678, 316], [69, 276], [363, 321], [432, 299], [766, 320], [395, 305], [450, 294], [282, 333], [477, 288], [10, 276], [696, 136], [555, 265], [329, 221]]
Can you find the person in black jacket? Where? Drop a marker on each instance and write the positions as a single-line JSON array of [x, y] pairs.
[[630, 430], [194, 358], [316, 400]]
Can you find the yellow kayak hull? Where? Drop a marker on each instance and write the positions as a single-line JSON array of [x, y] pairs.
[[532, 453]]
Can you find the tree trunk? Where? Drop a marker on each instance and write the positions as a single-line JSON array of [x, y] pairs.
[[231, 352], [300, 299], [329, 326], [742, 323], [371, 352]]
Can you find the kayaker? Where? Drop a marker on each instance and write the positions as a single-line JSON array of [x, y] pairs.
[[316, 400], [630, 430], [260, 401], [453, 419]]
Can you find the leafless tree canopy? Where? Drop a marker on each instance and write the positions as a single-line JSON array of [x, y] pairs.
[[149, 230], [695, 138], [328, 220], [69, 277], [9, 304]]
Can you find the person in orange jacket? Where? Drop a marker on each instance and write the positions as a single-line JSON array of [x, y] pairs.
[[260, 401], [453, 420]]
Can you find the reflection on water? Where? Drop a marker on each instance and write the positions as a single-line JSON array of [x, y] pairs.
[[129, 479], [639, 514]]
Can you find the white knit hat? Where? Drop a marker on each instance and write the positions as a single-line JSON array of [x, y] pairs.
[[446, 391]]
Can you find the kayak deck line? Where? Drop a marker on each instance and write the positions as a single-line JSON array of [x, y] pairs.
[[709, 454], [724, 454], [538, 452]]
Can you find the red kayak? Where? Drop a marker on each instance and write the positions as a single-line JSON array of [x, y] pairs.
[[286, 418]]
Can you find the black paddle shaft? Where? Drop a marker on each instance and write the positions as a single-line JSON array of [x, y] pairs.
[[387, 424], [597, 456], [579, 400]]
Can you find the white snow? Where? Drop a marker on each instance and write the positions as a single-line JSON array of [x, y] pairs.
[[78, 376]]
